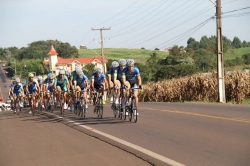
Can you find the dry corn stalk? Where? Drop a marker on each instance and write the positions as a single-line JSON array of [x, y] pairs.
[[198, 87]]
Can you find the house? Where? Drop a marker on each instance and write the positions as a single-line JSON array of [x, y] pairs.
[[56, 62]]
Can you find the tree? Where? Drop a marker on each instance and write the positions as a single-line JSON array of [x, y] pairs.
[[65, 50], [204, 42], [175, 51], [157, 49], [246, 58], [236, 42], [143, 48], [89, 70], [153, 58]]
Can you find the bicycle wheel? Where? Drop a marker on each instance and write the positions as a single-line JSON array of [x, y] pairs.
[[129, 114], [114, 110], [124, 113], [135, 111], [33, 111], [122, 108], [100, 108], [61, 108]]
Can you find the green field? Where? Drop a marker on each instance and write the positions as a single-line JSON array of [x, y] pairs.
[[233, 53], [139, 55]]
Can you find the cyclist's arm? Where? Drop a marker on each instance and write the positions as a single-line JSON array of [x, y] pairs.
[[139, 80], [106, 83]]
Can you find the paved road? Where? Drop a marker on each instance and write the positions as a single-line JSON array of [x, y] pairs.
[[188, 133]]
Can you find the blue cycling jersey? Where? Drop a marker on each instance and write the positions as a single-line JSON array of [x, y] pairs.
[[112, 72], [98, 79], [131, 76], [120, 73], [81, 81], [17, 88]]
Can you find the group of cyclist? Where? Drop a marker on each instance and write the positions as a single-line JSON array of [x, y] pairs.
[[122, 74]]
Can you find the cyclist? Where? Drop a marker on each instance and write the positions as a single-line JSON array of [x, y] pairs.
[[18, 92], [112, 72], [130, 77], [98, 81], [120, 73], [62, 85], [81, 84], [32, 87], [49, 87], [12, 85], [41, 92]]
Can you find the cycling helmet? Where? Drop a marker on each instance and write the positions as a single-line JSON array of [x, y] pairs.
[[115, 64], [62, 72], [40, 78], [130, 62], [122, 62], [50, 75], [18, 80], [79, 71], [98, 70], [67, 72], [31, 75]]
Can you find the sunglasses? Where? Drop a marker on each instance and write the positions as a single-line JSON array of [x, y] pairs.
[[50, 79]]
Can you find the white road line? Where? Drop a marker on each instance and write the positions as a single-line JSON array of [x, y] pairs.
[[143, 150]]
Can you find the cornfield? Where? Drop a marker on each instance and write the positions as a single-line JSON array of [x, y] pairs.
[[198, 87]]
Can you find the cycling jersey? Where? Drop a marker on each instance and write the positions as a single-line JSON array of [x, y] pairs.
[[131, 76], [112, 72], [120, 73], [17, 89], [62, 83], [98, 80], [32, 86], [49, 84], [81, 81]]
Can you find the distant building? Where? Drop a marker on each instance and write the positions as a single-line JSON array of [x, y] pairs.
[[56, 63], [83, 47]]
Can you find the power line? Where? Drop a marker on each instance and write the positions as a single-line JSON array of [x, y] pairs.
[[153, 26], [189, 19], [121, 20], [186, 33], [236, 10], [119, 13], [136, 22]]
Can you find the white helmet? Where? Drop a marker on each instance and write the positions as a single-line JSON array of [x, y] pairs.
[[115, 64], [98, 70], [18, 80], [130, 62], [79, 71], [122, 62], [67, 72], [62, 72], [40, 78]]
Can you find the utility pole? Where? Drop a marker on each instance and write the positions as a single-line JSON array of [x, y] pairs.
[[101, 29], [220, 60]]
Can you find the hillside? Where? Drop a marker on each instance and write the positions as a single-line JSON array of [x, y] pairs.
[[233, 53], [140, 55]]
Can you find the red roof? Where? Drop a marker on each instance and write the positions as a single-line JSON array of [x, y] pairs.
[[79, 60], [52, 51], [46, 62]]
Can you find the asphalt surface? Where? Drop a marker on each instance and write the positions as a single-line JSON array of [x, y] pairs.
[[188, 133]]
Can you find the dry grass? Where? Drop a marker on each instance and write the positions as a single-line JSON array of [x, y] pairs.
[[198, 87]]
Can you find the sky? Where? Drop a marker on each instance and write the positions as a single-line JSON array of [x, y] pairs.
[[134, 23]]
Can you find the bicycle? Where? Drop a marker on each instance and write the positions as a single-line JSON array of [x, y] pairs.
[[99, 104], [33, 102], [115, 106], [18, 104], [131, 108], [51, 102], [82, 110], [40, 101], [122, 99]]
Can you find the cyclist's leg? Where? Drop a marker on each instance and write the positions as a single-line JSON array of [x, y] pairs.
[[127, 86]]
